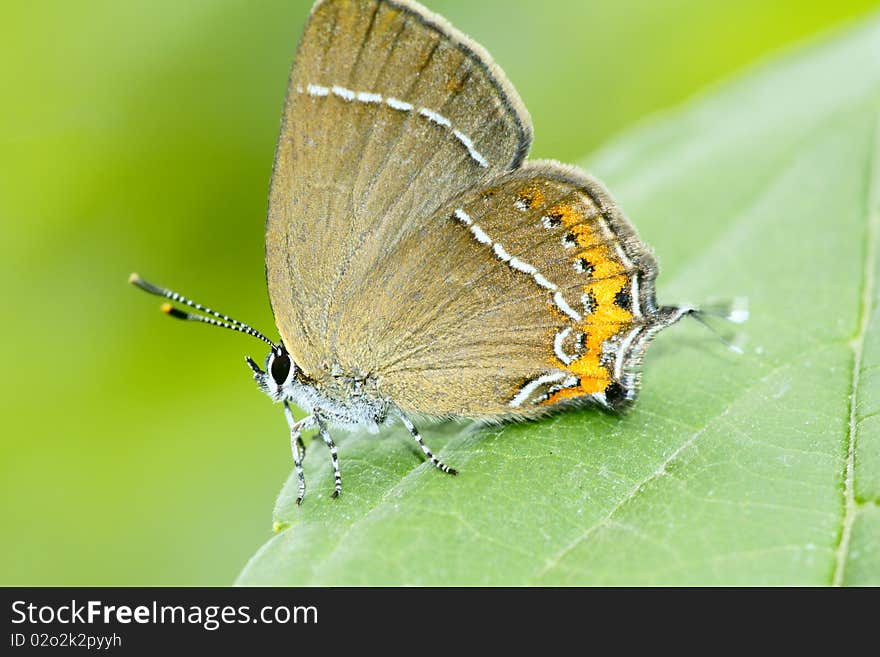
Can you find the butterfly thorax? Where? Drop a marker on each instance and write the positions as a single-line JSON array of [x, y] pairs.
[[346, 400], [349, 409], [338, 397]]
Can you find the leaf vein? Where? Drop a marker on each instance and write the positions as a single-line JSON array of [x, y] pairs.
[[872, 215]]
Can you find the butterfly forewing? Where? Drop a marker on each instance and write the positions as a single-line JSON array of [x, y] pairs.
[[390, 113]]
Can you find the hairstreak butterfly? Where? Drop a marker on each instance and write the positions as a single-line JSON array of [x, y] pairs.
[[416, 263]]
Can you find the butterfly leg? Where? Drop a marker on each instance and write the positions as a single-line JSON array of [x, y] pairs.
[[295, 444], [428, 454], [334, 457]]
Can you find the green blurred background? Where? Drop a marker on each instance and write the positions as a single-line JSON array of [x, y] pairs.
[[139, 135]]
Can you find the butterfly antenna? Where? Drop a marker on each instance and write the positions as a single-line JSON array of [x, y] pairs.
[[217, 319], [737, 312]]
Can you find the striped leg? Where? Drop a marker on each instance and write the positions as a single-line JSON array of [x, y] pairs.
[[295, 443], [430, 456], [334, 457]]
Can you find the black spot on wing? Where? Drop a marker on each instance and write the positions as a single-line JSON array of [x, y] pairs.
[[615, 395]]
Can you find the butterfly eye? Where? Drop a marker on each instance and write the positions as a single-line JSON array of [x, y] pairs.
[[280, 367]]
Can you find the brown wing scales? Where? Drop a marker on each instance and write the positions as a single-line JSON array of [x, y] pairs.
[[389, 113], [531, 282]]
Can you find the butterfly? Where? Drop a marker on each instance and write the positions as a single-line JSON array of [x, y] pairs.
[[417, 263]]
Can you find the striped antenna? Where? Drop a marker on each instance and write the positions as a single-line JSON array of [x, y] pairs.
[[217, 319]]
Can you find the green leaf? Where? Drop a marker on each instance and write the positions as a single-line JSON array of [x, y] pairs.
[[755, 469]]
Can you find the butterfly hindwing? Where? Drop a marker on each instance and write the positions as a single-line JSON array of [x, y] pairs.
[[530, 290]]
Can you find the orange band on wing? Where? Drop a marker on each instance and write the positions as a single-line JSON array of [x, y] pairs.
[[606, 318]]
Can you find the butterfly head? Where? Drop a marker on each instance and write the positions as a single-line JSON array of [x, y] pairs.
[[280, 377]]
